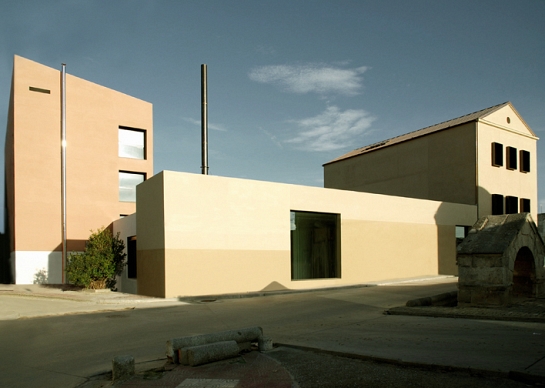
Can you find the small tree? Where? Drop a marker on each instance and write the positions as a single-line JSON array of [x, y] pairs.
[[97, 266]]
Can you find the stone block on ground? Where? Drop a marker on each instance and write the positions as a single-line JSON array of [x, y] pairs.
[[217, 351], [264, 343], [249, 334], [122, 367]]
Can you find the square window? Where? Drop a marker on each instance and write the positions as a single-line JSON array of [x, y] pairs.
[[127, 185], [524, 205], [132, 143], [511, 158], [497, 204], [497, 154], [314, 245], [524, 161], [511, 205]]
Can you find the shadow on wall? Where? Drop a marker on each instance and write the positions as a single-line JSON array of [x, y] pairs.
[[449, 235], [40, 277]]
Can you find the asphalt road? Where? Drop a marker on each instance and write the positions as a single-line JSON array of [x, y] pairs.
[[62, 351]]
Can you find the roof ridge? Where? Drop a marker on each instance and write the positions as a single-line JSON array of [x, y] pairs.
[[409, 135], [436, 124]]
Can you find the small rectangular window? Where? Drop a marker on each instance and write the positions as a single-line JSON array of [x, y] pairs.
[[127, 185], [497, 204], [132, 143], [39, 90], [511, 205], [314, 245], [497, 154], [131, 257], [524, 205], [511, 158], [524, 161], [461, 233]]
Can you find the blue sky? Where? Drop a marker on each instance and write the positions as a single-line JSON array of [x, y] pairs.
[[292, 84]]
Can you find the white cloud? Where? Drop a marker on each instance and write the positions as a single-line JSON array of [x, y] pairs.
[[331, 130], [217, 127], [272, 137], [314, 78]]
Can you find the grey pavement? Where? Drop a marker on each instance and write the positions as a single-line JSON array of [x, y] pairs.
[[59, 338]]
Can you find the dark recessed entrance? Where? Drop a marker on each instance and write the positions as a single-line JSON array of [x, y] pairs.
[[524, 273]]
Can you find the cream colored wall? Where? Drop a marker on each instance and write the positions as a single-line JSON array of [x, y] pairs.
[[500, 180], [439, 166], [225, 235], [93, 116], [150, 232]]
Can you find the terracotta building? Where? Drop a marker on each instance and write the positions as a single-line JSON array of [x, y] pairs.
[[109, 149]]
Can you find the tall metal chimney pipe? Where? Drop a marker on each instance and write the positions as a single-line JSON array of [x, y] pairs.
[[204, 120], [63, 169]]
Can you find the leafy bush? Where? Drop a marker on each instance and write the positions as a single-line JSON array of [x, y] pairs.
[[97, 266]]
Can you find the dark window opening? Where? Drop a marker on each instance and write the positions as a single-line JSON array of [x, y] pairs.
[[497, 154], [461, 233], [497, 204], [524, 205], [511, 205], [39, 90], [314, 245], [524, 161], [511, 158], [131, 257]]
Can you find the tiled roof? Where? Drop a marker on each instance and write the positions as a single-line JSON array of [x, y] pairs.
[[421, 132]]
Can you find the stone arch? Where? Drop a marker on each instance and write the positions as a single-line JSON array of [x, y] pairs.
[[524, 273], [502, 257]]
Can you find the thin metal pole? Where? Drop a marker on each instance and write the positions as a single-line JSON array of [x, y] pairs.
[[204, 120], [63, 168]]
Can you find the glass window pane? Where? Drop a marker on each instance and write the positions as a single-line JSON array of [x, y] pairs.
[[314, 245], [131, 144], [497, 154], [127, 185]]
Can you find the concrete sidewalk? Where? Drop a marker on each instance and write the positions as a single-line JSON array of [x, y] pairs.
[[349, 322], [35, 300]]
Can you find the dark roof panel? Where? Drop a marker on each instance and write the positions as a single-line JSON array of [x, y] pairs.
[[421, 132]]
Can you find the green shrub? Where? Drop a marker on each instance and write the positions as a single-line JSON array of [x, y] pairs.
[[97, 266]]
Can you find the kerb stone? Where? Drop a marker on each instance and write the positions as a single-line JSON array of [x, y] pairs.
[[264, 343], [122, 367]]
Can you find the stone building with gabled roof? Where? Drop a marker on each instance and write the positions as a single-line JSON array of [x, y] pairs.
[[486, 158], [501, 258]]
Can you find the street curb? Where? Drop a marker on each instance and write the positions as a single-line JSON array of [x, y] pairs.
[[91, 297], [437, 312], [214, 297], [256, 294], [512, 375]]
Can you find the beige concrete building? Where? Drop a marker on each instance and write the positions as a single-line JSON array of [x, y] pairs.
[[392, 210], [109, 150], [487, 158], [202, 235]]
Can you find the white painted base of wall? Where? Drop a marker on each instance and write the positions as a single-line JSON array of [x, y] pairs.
[[37, 267]]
